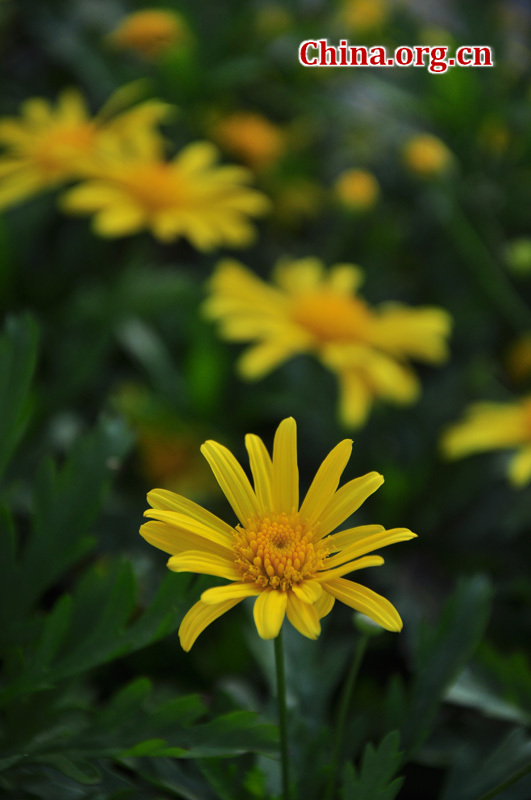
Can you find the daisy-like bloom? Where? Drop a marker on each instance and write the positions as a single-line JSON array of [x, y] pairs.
[[150, 32], [280, 553], [311, 310], [49, 145], [357, 190], [495, 426], [427, 156], [190, 196], [251, 137]]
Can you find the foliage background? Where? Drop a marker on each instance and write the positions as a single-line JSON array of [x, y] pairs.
[[105, 358]]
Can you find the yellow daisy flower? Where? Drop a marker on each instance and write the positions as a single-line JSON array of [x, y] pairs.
[[495, 426], [47, 146], [284, 555], [310, 310], [188, 196], [150, 32]]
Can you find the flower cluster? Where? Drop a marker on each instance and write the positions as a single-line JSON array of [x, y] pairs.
[[123, 177], [311, 310]]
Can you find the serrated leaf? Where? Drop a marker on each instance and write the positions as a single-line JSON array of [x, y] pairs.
[[375, 778]]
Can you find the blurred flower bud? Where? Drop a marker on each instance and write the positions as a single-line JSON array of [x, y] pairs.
[[251, 137], [272, 20], [360, 16], [151, 32], [357, 190], [427, 156], [518, 359], [518, 256]]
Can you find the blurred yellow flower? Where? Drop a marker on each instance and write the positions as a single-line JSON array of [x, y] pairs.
[[518, 359], [273, 19], [283, 555], [168, 446], [310, 310], [189, 196], [360, 16], [427, 156], [495, 426], [151, 32], [357, 190], [49, 145], [251, 137]]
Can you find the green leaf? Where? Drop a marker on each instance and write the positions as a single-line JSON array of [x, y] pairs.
[[442, 651], [374, 779], [18, 354], [79, 770]]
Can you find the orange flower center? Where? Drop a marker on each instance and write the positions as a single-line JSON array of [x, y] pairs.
[[331, 317], [277, 551], [57, 151], [154, 186]]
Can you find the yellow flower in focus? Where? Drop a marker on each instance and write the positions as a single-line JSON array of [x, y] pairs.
[[361, 16], [150, 32], [190, 196], [251, 137], [427, 156], [283, 555], [47, 146], [495, 426], [310, 310], [357, 190]]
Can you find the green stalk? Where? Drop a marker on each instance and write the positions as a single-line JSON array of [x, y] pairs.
[[344, 706], [488, 275], [505, 785], [282, 713]]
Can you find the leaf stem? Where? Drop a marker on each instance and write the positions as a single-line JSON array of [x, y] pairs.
[[505, 785], [282, 713], [344, 705]]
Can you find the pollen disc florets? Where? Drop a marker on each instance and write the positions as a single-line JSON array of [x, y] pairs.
[[277, 551]]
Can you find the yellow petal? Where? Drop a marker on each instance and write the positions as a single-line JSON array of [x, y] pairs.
[[368, 544], [119, 220], [355, 399], [308, 591], [365, 600], [264, 357], [285, 469], [337, 541], [324, 605], [303, 617], [204, 563], [232, 480], [174, 540], [269, 611], [164, 499], [262, 469], [183, 523], [520, 468], [347, 500], [351, 566], [219, 594], [326, 481], [198, 618]]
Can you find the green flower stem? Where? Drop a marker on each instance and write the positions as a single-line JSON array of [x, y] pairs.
[[488, 275], [282, 713], [344, 706], [509, 782]]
